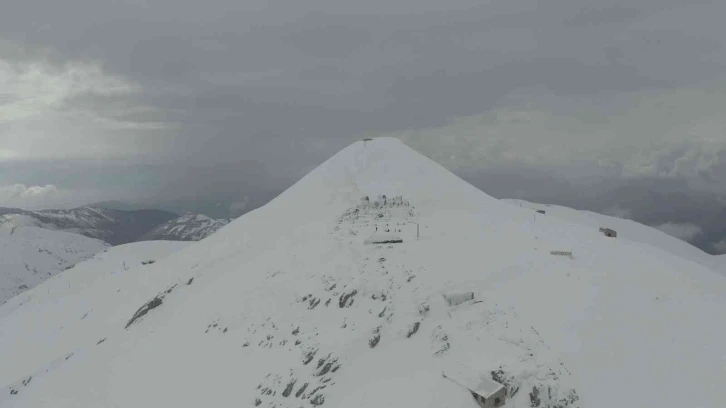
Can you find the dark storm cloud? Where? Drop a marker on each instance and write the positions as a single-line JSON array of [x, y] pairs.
[[609, 14], [211, 103]]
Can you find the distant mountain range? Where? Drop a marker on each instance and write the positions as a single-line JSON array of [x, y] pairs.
[[114, 226], [189, 227], [37, 245]]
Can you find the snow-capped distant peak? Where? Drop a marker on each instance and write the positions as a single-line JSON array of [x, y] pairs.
[[113, 226], [188, 227]]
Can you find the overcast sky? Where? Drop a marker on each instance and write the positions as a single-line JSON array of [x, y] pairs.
[[218, 105]]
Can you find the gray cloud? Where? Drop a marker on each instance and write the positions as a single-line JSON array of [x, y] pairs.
[[593, 104], [686, 231], [720, 246]]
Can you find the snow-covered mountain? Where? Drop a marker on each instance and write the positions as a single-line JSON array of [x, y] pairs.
[[116, 226], [44, 243], [113, 226], [629, 230], [29, 256], [295, 304], [188, 227]]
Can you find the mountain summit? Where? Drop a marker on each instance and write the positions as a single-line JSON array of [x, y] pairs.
[[359, 287]]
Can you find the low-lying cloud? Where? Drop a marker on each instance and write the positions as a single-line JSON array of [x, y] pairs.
[[685, 231], [48, 197], [19, 195], [720, 246]]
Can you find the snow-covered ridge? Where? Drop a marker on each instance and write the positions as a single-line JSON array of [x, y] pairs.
[[288, 307], [188, 227], [630, 230], [113, 226], [30, 255], [117, 226]]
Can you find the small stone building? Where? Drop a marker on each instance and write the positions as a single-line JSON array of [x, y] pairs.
[[489, 394], [455, 299], [486, 392], [609, 232]]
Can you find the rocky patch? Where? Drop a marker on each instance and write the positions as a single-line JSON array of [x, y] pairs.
[[346, 299], [216, 326], [144, 309], [373, 342], [290, 391], [413, 329], [152, 304], [440, 341]]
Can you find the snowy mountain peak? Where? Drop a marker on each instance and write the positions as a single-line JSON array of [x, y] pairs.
[[357, 288], [380, 167]]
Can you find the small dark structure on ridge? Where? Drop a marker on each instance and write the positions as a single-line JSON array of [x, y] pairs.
[[455, 299], [384, 239], [609, 232], [541, 211]]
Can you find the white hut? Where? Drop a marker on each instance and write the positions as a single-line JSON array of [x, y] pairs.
[[486, 392]]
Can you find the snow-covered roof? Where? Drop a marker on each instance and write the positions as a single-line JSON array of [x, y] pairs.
[[487, 387], [472, 381]]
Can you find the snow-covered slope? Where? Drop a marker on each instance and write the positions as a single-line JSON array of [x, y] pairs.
[[30, 255], [113, 226], [87, 287], [629, 230], [188, 227], [288, 306]]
